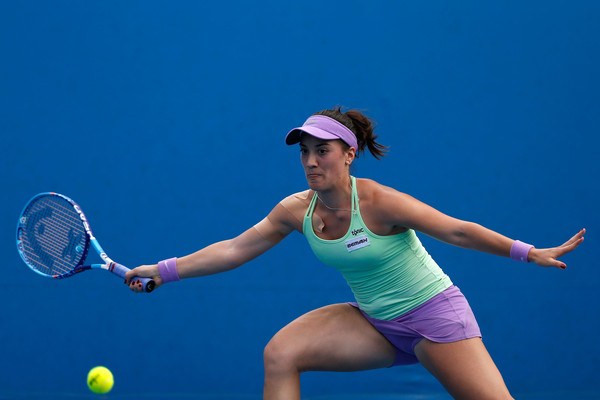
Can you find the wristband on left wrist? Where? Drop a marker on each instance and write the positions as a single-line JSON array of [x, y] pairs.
[[519, 251]]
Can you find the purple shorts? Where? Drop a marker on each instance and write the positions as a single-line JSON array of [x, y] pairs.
[[446, 317]]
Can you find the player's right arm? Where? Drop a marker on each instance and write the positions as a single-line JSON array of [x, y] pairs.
[[229, 254]]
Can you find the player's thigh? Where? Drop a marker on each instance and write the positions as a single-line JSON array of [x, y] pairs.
[[465, 368], [333, 338]]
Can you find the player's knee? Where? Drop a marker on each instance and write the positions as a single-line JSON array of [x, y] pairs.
[[280, 357]]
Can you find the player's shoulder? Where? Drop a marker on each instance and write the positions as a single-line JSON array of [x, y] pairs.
[[299, 200], [291, 210], [368, 188], [373, 193]]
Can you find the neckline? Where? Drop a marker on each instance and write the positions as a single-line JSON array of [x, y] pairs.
[[355, 211], [355, 216]]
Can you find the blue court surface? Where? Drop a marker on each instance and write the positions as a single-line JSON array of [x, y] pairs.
[[349, 396]]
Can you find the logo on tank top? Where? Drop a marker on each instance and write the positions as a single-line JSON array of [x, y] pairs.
[[357, 243]]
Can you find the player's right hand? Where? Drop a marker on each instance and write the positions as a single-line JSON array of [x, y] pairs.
[[143, 271]]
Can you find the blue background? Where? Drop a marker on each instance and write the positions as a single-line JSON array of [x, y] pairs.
[[165, 121]]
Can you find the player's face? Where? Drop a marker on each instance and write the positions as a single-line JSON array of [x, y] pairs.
[[325, 162]]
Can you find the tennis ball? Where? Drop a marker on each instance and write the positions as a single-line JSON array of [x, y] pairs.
[[100, 380]]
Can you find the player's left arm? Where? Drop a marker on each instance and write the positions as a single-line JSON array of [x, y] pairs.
[[406, 211]]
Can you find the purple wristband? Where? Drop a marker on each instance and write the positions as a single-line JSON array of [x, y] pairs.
[[519, 251], [168, 270]]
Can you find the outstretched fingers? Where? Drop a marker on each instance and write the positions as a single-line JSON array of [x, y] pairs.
[[550, 257], [572, 243]]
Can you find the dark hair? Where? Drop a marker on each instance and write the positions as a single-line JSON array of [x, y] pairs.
[[361, 126]]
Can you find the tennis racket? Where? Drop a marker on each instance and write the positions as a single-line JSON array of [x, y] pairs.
[[54, 236]]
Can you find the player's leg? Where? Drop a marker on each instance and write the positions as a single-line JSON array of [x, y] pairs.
[[332, 338], [464, 368]]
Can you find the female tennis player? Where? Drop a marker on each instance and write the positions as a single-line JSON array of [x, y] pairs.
[[407, 310]]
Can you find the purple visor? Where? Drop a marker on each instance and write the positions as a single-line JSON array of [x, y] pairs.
[[325, 128]]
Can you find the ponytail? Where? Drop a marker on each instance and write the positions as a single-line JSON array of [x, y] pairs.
[[361, 126]]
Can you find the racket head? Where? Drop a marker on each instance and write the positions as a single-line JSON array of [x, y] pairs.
[[53, 237]]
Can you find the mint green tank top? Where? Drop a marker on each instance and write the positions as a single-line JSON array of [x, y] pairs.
[[389, 275]]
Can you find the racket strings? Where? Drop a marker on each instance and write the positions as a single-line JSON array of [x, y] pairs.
[[54, 239]]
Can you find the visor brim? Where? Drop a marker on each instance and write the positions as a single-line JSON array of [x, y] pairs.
[[295, 135]]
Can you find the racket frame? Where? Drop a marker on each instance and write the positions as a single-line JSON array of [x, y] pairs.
[[109, 264]]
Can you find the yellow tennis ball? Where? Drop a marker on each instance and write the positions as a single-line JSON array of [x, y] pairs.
[[100, 380]]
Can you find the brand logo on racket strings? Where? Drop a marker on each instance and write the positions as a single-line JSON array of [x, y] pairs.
[[357, 243]]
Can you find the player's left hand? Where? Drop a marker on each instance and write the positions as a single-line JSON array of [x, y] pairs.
[[549, 257]]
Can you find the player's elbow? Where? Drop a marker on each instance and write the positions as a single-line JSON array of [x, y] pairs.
[[238, 252], [465, 233], [233, 256]]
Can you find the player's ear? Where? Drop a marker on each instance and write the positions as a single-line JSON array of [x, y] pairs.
[[350, 155]]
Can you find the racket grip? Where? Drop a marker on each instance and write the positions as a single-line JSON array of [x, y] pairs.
[[120, 270]]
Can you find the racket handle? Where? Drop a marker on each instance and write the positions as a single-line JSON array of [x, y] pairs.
[[120, 270]]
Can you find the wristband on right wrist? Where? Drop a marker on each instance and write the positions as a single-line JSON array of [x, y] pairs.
[[168, 270], [520, 250]]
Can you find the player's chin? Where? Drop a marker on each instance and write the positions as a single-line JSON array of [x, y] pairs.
[[315, 182]]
